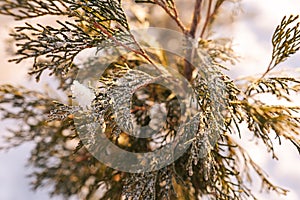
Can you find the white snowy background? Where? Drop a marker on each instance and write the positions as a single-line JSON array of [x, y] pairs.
[[252, 31]]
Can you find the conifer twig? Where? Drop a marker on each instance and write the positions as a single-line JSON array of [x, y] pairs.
[[140, 52], [173, 15]]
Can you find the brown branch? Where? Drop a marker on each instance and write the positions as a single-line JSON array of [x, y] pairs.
[[196, 18], [173, 15], [188, 67], [140, 52], [208, 16], [270, 68]]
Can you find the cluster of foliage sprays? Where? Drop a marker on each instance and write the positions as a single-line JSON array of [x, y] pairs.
[[214, 165]]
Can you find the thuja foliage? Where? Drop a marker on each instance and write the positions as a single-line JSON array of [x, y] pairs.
[[226, 169]]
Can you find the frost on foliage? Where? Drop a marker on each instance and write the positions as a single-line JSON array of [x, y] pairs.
[[212, 89], [213, 98], [200, 150], [82, 95], [155, 185], [121, 94], [140, 185]]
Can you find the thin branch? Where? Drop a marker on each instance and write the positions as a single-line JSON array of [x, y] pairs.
[[196, 18], [270, 68], [208, 16], [140, 52], [285, 40], [173, 15]]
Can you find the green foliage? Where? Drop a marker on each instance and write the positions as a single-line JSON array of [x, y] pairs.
[[214, 165], [54, 48]]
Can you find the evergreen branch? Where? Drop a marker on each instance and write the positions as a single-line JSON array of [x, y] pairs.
[[101, 11], [220, 50], [262, 119], [30, 110], [121, 94], [55, 48], [285, 41], [279, 86], [52, 48], [214, 165], [33, 8]]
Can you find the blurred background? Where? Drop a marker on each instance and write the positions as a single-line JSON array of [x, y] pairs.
[[250, 26]]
